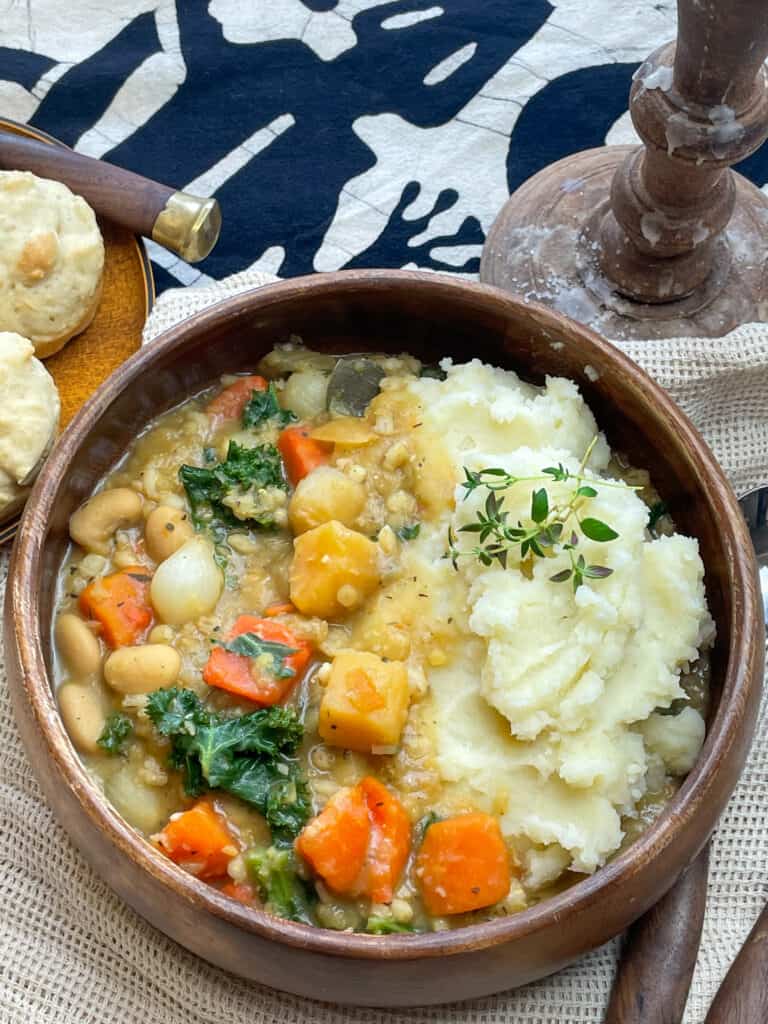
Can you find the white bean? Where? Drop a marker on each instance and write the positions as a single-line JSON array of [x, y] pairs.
[[94, 524], [145, 807], [83, 715], [142, 668], [165, 530], [77, 645]]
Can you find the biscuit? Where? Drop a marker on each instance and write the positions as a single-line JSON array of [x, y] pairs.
[[51, 261], [29, 417]]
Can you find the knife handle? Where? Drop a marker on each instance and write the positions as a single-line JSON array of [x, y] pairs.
[[743, 996], [659, 955], [186, 224]]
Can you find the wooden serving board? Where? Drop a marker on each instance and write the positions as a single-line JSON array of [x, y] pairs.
[[115, 333]]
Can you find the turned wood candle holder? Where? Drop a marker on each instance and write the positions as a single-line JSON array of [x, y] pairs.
[[663, 239]]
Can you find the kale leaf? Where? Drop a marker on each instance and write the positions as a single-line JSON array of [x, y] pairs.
[[250, 645], [263, 406], [281, 889], [229, 493], [386, 926], [117, 728], [250, 756]]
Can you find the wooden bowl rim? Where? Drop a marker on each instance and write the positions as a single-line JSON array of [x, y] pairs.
[[741, 677]]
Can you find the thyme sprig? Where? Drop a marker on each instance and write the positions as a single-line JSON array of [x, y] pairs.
[[497, 535]]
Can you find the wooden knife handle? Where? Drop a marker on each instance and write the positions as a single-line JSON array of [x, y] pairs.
[[743, 996], [657, 962], [185, 224]]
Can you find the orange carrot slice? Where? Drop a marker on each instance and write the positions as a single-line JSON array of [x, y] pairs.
[[359, 843], [335, 843], [390, 841], [463, 864], [199, 840], [229, 403], [120, 603], [237, 673], [301, 454], [240, 891]]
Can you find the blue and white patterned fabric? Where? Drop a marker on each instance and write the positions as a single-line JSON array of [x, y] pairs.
[[335, 133]]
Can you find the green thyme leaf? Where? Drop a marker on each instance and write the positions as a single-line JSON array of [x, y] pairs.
[[586, 492], [655, 513], [597, 530], [539, 505], [561, 577]]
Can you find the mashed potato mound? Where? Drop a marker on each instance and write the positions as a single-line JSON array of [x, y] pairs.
[[546, 713]]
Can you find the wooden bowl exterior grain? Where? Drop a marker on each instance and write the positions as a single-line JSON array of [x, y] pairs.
[[431, 316]]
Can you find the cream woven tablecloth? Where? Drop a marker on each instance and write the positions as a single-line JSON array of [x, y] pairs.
[[72, 953]]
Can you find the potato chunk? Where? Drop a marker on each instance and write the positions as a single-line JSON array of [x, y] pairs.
[[333, 570], [365, 703], [324, 495]]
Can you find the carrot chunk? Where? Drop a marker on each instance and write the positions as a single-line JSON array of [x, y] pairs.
[[229, 403], [335, 843], [120, 603], [279, 608], [240, 891], [389, 843], [359, 842], [199, 840], [301, 454], [463, 864], [240, 675]]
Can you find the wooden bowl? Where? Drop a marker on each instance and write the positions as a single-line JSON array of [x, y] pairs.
[[431, 316]]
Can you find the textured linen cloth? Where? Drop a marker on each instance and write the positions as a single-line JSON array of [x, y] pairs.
[[72, 953]]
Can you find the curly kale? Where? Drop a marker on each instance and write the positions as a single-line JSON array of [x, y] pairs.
[[251, 756], [263, 406], [117, 730], [284, 894]]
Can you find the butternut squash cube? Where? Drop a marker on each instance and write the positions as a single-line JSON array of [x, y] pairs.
[[365, 703], [334, 569], [324, 494]]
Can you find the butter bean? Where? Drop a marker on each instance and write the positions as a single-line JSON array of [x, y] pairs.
[[143, 668], [77, 646], [94, 524], [165, 530], [83, 716]]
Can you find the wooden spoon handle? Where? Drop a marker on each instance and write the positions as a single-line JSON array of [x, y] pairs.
[[743, 996], [659, 955], [185, 224]]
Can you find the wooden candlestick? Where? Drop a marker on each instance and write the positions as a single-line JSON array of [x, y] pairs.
[[662, 239]]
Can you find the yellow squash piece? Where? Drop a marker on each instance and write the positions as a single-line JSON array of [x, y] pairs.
[[333, 570], [365, 704], [346, 432], [324, 494]]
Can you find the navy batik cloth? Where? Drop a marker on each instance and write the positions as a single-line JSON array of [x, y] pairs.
[[356, 133]]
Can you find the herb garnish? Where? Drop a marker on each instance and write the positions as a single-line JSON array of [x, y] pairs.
[[251, 756], [117, 729], [409, 531], [281, 889], [247, 473], [497, 536], [252, 646], [657, 511], [264, 406]]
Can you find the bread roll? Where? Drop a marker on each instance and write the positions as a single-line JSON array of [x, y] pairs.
[[51, 261]]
